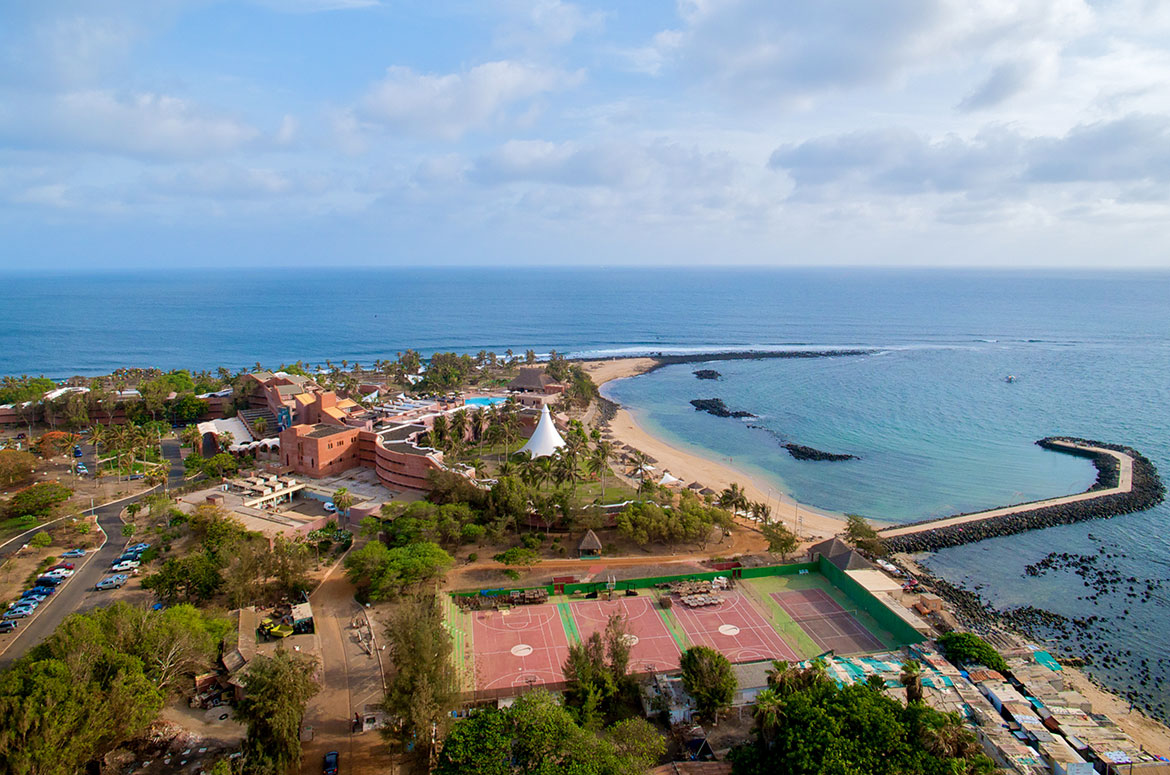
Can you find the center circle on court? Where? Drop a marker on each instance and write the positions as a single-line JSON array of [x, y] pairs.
[[521, 650], [631, 640], [728, 629]]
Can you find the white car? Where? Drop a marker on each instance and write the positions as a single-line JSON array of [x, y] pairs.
[[60, 573], [125, 565]]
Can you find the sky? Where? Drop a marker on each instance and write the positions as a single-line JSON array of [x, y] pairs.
[[146, 134]]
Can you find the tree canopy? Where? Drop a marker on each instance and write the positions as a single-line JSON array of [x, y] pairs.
[[861, 534], [278, 688], [97, 681], [807, 725], [381, 573], [967, 648], [708, 678], [537, 735]]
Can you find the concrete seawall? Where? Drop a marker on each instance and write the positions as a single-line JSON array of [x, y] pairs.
[[1126, 482]]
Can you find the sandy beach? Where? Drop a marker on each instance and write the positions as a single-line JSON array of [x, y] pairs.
[[694, 468]]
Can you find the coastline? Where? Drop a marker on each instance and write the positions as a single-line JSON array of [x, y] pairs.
[[691, 467]]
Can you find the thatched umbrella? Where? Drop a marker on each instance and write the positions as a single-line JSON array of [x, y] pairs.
[[694, 486], [707, 491]]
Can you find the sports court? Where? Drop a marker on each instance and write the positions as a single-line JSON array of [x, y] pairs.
[[736, 628], [654, 648], [826, 622], [521, 646]]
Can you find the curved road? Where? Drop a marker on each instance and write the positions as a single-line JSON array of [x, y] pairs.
[[94, 567]]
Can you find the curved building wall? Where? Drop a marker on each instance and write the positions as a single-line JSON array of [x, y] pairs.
[[397, 468]]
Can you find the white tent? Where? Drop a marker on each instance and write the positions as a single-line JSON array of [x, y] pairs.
[[545, 439], [667, 479]]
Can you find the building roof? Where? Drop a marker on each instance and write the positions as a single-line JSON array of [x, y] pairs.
[[752, 675], [233, 426], [545, 439], [531, 379], [321, 430], [590, 542], [840, 554]]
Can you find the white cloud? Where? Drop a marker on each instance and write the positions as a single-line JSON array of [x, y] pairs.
[[315, 6], [786, 53], [449, 106], [139, 124], [541, 24]]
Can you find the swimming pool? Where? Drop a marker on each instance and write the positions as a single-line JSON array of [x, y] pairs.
[[484, 401]]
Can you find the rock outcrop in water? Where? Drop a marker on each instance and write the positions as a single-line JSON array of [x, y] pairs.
[[716, 407], [707, 374], [1148, 491], [801, 452]]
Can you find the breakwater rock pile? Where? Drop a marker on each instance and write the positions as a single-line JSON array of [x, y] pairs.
[[606, 410], [662, 359], [707, 374], [716, 407], [801, 452], [1147, 492]]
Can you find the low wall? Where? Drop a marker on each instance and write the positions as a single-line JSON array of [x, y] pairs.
[[868, 602]]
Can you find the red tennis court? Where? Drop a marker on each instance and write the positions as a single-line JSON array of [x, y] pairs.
[[654, 649], [736, 628], [829, 625], [522, 646]]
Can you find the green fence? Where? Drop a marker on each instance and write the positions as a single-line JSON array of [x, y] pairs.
[[865, 600], [746, 573]]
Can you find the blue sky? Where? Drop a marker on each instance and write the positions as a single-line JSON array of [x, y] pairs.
[[993, 133]]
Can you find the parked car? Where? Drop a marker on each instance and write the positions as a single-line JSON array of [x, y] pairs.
[[8, 626], [135, 476], [128, 555], [77, 451], [60, 573], [33, 598], [332, 759], [74, 553], [49, 581], [82, 470], [112, 582], [43, 589], [125, 565], [329, 507], [18, 613], [139, 548], [62, 566]]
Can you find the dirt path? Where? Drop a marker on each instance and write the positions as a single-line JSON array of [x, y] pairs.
[[1125, 484], [351, 679]]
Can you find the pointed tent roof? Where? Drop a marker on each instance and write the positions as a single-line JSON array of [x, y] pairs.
[[590, 542], [545, 439], [839, 553]]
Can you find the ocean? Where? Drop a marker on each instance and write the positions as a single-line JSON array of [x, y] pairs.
[[936, 428]]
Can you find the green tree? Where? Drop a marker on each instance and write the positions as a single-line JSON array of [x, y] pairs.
[[780, 539], [861, 534], [37, 500], [277, 689], [195, 578], [423, 690], [967, 648], [708, 679], [381, 573], [40, 539], [518, 555], [343, 499]]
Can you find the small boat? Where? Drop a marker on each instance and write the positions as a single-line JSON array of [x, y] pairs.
[[1010, 378]]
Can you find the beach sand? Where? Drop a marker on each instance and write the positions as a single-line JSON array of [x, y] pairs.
[[695, 468]]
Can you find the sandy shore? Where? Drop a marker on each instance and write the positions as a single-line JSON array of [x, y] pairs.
[[694, 468]]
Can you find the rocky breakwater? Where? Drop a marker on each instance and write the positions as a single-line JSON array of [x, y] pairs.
[[716, 407], [801, 452], [707, 374], [1147, 491]]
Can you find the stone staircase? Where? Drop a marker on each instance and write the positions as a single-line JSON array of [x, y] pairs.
[[250, 416]]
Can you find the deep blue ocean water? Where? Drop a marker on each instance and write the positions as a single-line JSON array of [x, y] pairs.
[[935, 426]]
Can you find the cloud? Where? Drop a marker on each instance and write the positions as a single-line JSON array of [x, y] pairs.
[[789, 52], [539, 24], [1006, 81], [315, 6], [451, 105], [140, 124], [996, 163]]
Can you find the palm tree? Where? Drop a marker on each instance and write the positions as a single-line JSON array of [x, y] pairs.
[[912, 679], [733, 498], [761, 511], [192, 437], [439, 431], [459, 426], [599, 462], [481, 421], [564, 468], [261, 426], [343, 499], [224, 440], [99, 436], [641, 463], [542, 471], [769, 712]]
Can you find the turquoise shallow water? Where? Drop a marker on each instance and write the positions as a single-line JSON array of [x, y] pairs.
[[935, 427]]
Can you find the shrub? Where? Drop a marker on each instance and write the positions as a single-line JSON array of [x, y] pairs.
[[667, 602], [969, 648], [512, 573], [472, 557], [37, 500], [40, 540], [531, 541]]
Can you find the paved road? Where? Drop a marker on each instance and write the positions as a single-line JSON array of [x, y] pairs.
[[78, 590]]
